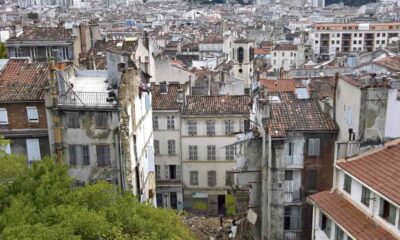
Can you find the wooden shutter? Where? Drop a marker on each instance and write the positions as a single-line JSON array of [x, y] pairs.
[[3, 116], [33, 149]]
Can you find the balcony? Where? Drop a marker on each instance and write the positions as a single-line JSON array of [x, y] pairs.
[[293, 162], [86, 99], [164, 182]]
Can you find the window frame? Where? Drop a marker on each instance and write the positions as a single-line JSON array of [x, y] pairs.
[[230, 153], [347, 181], [211, 178], [156, 144], [192, 128], [155, 122], [193, 152], [194, 178], [35, 112], [73, 120], [211, 153], [100, 119], [5, 113], [171, 122], [105, 160], [314, 147], [171, 151], [210, 127], [229, 127], [365, 196]]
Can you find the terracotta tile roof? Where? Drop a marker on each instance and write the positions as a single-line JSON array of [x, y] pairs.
[[261, 51], [217, 105], [166, 101], [285, 47], [293, 114], [390, 62], [281, 85], [23, 81], [378, 169], [44, 34], [99, 50], [357, 223]]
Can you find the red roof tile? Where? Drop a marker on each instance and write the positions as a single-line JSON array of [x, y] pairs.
[[166, 101], [44, 34], [23, 81], [282, 85], [348, 216], [378, 169], [217, 105], [293, 114]]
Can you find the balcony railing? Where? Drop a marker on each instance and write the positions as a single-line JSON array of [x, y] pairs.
[[168, 181], [86, 99], [293, 161]]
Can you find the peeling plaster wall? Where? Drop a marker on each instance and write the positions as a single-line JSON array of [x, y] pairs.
[[392, 126]]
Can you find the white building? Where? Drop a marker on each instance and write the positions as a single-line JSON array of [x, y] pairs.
[[328, 39], [242, 56], [208, 124], [285, 57], [364, 202]]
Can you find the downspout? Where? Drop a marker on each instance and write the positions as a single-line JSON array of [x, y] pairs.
[[56, 117], [334, 95]]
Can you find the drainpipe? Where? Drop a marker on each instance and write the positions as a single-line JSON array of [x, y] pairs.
[[334, 95]]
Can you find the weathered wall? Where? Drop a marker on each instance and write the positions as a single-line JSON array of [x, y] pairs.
[[18, 118]]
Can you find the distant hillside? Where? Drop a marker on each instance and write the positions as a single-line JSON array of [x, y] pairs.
[[350, 2]]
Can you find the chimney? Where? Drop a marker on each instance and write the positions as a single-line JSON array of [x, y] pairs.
[[180, 96]]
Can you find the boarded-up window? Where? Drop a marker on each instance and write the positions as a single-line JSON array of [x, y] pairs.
[[103, 155], [73, 120], [313, 146], [32, 114], [194, 178], [212, 178], [3, 116], [101, 119], [33, 149]]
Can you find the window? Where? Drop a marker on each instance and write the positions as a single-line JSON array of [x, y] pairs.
[[6, 148], [365, 196], [383, 34], [291, 218], [192, 128], [171, 147], [32, 114], [156, 147], [193, 152], [338, 35], [3, 116], [312, 180], [288, 175], [158, 171], [159, 198], [313, 146], [78, 155], [211, 152], [290, 150], [354, 42], [72, 155], [172, 172], [378, 34], [283, 54], [194, 178], [387, 211], [103, 155], [73, 120], [228, 178], [229, 127], [347, 183], [325, 224], [33, 149], [155, 122], [212, 178], [170, 122], [210, 127], [101, 119], [85, 155], [230, 153], [339, 234]]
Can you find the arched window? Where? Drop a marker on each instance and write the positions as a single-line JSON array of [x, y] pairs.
[[240, 54]]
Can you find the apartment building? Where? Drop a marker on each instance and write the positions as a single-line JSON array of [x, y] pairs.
[[364, 201], [329, 39], [23, 118], [168, 100], [285, 57], [295, 139], [208, 126]]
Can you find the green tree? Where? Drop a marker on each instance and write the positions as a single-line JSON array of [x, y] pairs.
[[3, 50], [33, 15], [38, 202]]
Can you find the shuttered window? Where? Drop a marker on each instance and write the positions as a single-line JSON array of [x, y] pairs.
[[313, 147], [103, 155], [3, 116], [32, 114], [33, 149], [212, 178], [73, 120]]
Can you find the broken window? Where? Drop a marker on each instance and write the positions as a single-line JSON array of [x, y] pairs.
[[193, 152], [171, 147], [170, 122], [73, 120], [101, 119], [194, 178], [212, 178], [211, 152], [103, 155]]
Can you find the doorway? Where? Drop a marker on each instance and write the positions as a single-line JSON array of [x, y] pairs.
[[221, 205], [173, 200]]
